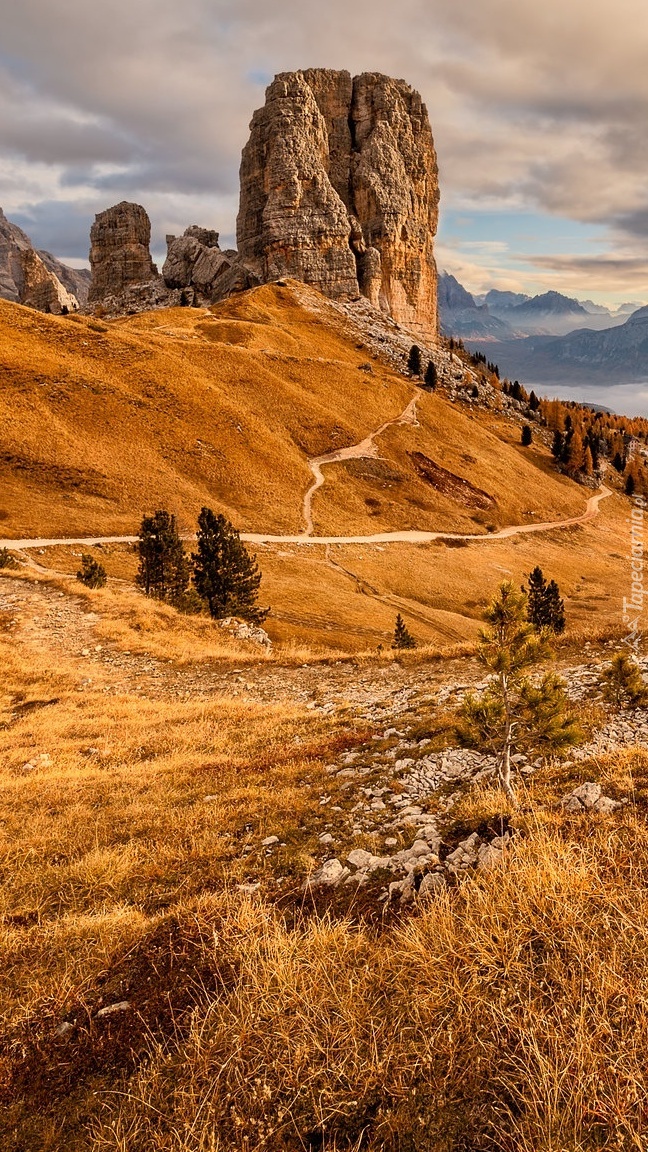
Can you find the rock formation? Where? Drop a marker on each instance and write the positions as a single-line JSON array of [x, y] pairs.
[[25, 277], [196, 265], [339, 188], [76, 280], [119, 251]]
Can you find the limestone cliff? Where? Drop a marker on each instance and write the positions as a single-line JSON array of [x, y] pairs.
[[292, 221], [25, 277], [339, 188]]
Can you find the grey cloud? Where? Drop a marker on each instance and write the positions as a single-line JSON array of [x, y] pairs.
[[59, 226], [535, 104], [635, 224]]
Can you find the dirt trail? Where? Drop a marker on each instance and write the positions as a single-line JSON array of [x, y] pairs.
[[410, 536], [366, 449]]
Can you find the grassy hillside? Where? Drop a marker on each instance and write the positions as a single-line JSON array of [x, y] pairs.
[[102, 422]]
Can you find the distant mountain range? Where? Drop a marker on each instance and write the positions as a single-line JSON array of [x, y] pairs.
[[614, 356], [549, 339], [498, 315]]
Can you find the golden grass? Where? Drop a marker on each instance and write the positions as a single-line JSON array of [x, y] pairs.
[[184, 407], [344, 599], [510, 1014], [101, 427]]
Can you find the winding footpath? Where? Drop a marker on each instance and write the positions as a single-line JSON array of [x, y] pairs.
[[365, 449]]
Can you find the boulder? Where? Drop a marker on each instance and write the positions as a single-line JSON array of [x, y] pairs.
[[588, 797], [196, 264], [328, 875]]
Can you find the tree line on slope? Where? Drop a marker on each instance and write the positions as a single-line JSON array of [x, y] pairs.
[[584, 436], [220, 575]]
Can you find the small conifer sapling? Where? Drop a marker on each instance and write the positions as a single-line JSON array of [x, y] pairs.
[[91, 572], [402, 636], [514, 710], [623, 683]]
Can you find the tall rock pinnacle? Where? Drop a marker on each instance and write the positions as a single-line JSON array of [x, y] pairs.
[[339, 188], [119, 251]]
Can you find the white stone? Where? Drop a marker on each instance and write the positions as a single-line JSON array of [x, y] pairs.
[[113, 1009], [430, 885], [588, 793], [331, 873], [606, 805]]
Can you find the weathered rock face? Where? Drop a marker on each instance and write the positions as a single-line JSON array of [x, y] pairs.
[[339, 188], [42, 290], [292, 222], [119, 252], [76, 280], [25, 277], [196, 265]]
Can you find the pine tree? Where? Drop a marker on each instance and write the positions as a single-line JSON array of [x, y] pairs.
[[225, 575], [512, 709], [415, 361], [536, 593], [618, 462], [629, 485], [545, 609], [91, 572], [402, 636], [163, 568], [558, 444], [588, 466], [534, 403], [430, 378], [623, 683], [554, 608], [527, 436]]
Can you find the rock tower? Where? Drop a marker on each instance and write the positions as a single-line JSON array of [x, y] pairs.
[[119, 251], [339, 188]]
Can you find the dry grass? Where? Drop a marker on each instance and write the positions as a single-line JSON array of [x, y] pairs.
[[181, 408], [344, 599], [511, 1014]]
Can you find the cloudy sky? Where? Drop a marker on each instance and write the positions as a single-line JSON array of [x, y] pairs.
[[540, 115]]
